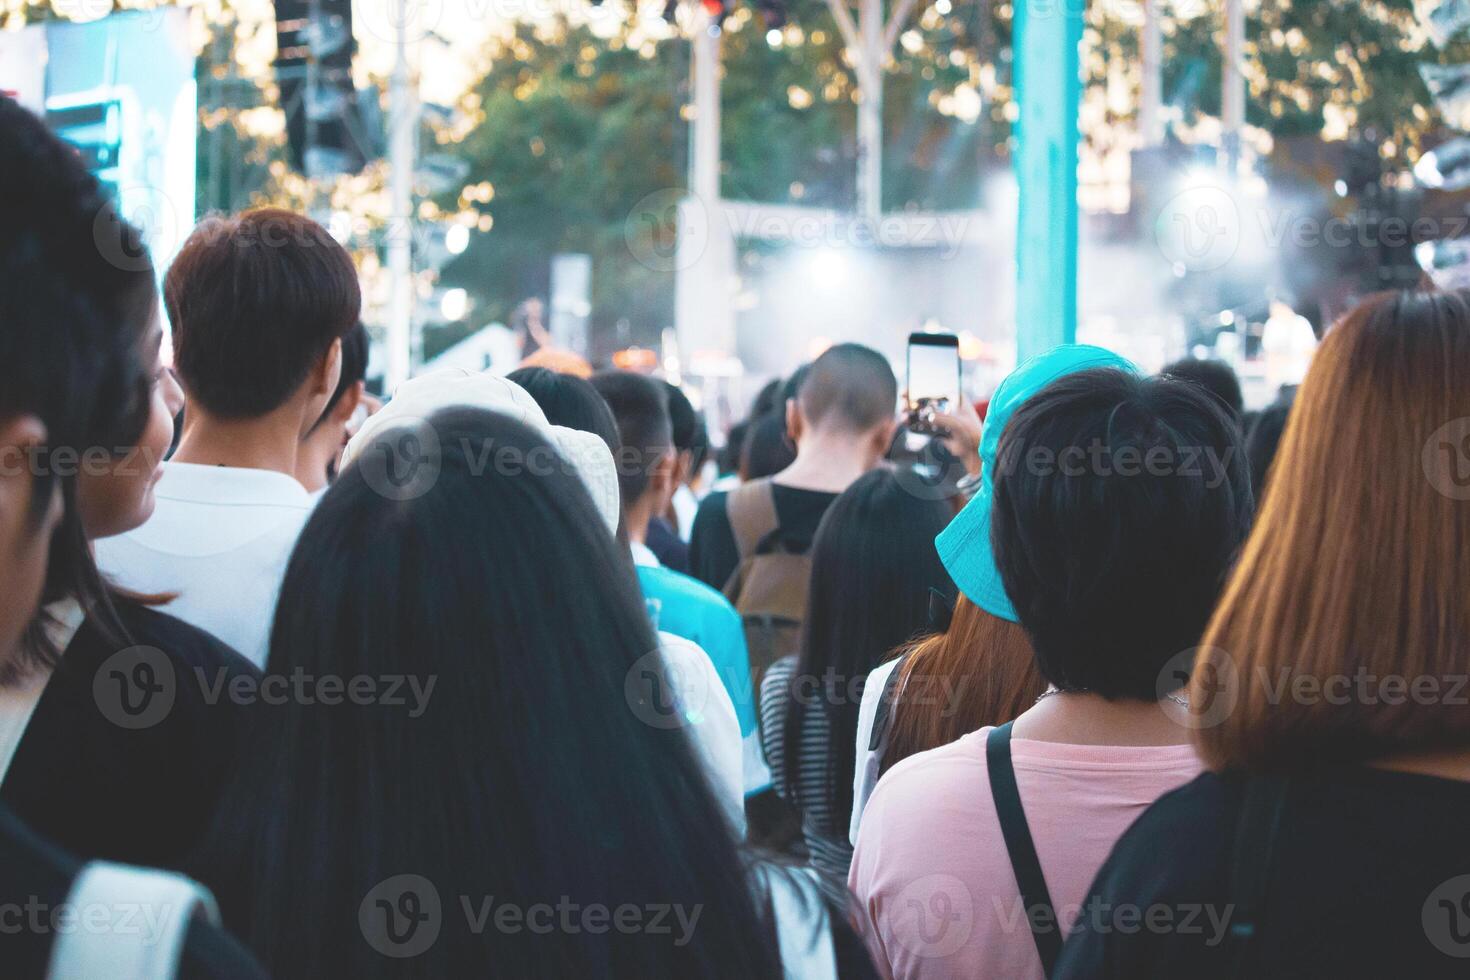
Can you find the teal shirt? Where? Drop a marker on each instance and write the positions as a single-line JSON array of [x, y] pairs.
[[690, 609]]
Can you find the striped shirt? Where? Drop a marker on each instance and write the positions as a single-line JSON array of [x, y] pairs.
[[825, 832]]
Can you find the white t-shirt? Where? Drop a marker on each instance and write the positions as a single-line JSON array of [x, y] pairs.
[[709, 716], [866, 775], [219, 537]]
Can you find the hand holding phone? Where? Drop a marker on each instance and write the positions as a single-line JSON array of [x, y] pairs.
[[933, 380]]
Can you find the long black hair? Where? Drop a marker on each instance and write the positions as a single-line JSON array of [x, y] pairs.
[[77, 306], [530, 777], [873, 569]]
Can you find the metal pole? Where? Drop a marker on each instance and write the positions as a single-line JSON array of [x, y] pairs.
[[1151, 91], [1232, 99], [402, 133], [870, 110], [1049, 86], [704, 132]]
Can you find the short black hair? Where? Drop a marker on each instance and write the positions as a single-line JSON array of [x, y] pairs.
[[766, 451], [255, 300], [1120, 503], [354, 368], [682, 417], [642, 413], [851, 387], [570, 401], [1263, 438], [1214, 376], [791, 387], [728, 459]]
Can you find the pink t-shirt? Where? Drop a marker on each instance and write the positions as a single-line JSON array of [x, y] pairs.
[[935, 896]]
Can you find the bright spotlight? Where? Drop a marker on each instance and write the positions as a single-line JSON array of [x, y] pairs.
[[457, 239], [454, 304], [828, 266]]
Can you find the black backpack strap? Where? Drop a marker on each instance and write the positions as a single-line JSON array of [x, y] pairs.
[[1256, 833], [1040, 914]]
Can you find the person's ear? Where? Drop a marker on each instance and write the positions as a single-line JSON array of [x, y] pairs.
[[665, 473], [328, 370], [20, 435], [795, 422], [343, 411], [883, 437]]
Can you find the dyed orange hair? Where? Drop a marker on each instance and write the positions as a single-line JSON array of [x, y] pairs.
[[1359, 562], [979, 672]]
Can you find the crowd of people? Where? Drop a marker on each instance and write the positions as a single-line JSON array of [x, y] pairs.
[[531, 676]]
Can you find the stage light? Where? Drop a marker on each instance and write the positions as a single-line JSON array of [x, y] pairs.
[[457, 239], [454, 304]]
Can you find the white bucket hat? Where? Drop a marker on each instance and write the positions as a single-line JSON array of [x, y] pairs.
[[418, 398]]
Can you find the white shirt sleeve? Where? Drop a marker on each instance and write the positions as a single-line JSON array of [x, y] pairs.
[[866, 775], [710, 721]]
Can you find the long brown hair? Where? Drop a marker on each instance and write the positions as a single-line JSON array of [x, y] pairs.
[[979, 672], [1357, 566]]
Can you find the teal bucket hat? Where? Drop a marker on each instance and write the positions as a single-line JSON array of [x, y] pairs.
[[964, 546]]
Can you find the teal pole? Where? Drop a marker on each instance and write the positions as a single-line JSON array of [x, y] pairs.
[[1048, 74]]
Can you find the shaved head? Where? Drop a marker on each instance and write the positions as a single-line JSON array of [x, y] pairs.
[[850, 388]]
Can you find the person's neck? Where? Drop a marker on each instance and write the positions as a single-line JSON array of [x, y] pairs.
[[1440, 763], [1090, 719], [267, 442], [828, 462], [636, 519]]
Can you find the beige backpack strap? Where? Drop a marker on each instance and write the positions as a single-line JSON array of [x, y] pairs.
[[752, 512]]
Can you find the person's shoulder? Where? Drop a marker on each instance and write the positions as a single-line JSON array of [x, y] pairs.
[[184, 643], [1179, 845], [915, 788], [713, 508], [1205, 805], [710, 602]]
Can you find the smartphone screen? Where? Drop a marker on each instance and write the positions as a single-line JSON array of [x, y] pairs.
[[934, 373]]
